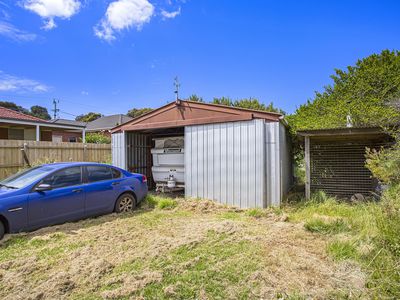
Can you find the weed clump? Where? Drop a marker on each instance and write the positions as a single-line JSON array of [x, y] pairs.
[[322, 227]]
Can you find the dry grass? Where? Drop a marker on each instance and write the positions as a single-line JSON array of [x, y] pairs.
[[197, 250]]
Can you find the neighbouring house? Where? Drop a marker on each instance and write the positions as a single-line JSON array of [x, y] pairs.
[[71, 136], [335, 160], [234, 156], [18, 126], [106, 124]]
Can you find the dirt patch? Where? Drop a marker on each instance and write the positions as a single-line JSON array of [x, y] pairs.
[[113, 257], [204, 206]]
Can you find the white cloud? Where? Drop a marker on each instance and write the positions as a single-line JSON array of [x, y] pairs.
[[17, 84], [50, 9], [170, 15], [10, 31], [123, 14], [85, 93]]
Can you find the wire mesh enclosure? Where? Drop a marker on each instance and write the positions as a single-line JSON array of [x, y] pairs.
[[338, 167]]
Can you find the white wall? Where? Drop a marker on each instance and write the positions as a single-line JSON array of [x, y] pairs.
[[118, 150]]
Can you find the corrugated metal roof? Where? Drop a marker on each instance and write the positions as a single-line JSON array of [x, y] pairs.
[[186, 113], [68, 122], [108, 122]]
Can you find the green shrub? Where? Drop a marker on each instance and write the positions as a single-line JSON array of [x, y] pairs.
[[385, 164], [97, 138], [322, 227]]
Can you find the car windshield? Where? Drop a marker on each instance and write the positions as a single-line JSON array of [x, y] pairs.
[[25, 178]]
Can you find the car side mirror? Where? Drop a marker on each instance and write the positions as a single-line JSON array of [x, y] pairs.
[[43, 187]]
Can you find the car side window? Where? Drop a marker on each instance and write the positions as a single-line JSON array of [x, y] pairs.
[[116, 173], [64, 178], [98, 173]]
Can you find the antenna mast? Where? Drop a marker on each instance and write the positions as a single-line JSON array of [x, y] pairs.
[[177, 86], [55, 109]]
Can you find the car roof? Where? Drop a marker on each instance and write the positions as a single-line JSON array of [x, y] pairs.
[[71, 164]]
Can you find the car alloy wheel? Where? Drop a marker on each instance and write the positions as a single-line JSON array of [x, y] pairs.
[[126, 204]]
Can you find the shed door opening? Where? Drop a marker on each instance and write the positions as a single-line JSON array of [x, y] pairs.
[[139, 145]]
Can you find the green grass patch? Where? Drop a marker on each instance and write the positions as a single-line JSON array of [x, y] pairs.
[[129, 267], [255, 212], [229, 215], [376, 224], [167, 203], [208, 267], [154, 201], [322, 227], [341, 250]]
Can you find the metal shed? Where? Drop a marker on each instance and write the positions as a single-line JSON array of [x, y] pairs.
[[234, 156], [335, 160]]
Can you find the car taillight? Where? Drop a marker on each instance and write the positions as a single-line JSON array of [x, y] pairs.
[[144, 179]]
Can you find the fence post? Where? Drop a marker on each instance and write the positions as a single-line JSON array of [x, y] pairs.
[[24, 155], [308, 167], [85, 154]]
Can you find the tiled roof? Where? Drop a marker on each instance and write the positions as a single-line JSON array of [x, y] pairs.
[[6, 113]]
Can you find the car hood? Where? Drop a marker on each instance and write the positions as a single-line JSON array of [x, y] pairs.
[[5, 192]]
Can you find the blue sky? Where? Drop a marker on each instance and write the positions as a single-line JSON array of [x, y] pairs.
[[110, 56]]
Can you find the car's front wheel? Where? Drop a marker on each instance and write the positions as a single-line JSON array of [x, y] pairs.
[[2, 230], [126, 202]]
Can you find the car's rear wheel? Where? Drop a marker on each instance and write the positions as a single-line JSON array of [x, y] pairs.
[[2, 230], [126, 202]]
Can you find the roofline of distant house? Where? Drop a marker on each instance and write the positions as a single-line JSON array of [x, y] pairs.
[[41, 123]]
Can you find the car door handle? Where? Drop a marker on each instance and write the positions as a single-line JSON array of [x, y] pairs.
[[77, 190], [115, 183]]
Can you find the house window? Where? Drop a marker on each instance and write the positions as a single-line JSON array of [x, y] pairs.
[[72, 139], [57, 139], [15, 134]]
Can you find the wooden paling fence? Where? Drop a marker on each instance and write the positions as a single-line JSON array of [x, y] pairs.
[[16, 155]]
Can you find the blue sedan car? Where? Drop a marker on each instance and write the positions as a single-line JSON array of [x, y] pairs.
[[61, 192]]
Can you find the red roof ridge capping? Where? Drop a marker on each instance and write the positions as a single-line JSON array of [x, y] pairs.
[[236, 107], [7, 113], [231, 114]]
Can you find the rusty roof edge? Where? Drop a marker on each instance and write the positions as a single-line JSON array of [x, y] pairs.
[[271, 115]]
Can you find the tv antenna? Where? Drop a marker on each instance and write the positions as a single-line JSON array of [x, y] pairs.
[[177, 86], [55, 109]]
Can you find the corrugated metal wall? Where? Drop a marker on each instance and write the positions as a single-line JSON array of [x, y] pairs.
[[285, 147], [118, 150], [226, 162], [273, 164]]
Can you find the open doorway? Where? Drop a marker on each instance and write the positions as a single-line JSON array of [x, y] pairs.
[[140, 158]]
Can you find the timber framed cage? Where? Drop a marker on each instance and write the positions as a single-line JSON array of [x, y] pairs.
[[336, 163]]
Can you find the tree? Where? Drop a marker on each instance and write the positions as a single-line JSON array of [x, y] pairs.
[[251, 103], [223, 101], [136, 112], [368, 92], [89, 117], [40, 112], [195, 98]]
